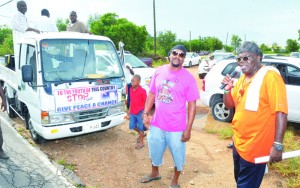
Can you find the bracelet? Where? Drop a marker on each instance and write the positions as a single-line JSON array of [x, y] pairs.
[[145, 113], [278, 143], [226, 91]]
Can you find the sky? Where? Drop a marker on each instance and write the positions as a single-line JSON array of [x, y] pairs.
[[261, 21]]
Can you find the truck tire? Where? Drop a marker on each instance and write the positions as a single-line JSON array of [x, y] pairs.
[[34, 135], [9, 110], [220, 112]]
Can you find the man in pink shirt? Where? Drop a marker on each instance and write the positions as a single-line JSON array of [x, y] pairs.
[[171, 88]]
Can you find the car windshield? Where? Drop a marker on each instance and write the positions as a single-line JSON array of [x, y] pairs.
[[134, 61], [189, 55], [75, 59]]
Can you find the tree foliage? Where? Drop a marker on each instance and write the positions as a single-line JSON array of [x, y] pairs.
[[62, 24], [6, 41], [235, 41], [292, 46], [120, 29]]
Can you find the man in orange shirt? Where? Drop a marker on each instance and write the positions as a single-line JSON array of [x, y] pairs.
[[259, 123]]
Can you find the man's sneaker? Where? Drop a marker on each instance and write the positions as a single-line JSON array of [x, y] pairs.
[[3, 155]]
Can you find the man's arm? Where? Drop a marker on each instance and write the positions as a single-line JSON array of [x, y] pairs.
[[148, 106], [191, 116], [281, 123]]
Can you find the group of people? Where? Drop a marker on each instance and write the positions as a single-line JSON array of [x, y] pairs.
[[259, 123], [260, 102], [44, 24]]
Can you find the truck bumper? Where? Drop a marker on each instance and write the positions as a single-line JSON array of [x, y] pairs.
[[75, 129]]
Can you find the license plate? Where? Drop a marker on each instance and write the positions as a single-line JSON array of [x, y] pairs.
[[94, 127]]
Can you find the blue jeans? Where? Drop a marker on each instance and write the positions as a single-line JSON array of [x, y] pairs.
[[158, 140], [247, 174]]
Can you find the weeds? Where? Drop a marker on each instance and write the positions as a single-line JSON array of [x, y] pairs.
[[66, 165]]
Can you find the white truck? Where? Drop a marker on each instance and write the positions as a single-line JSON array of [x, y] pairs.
[[61, 87]]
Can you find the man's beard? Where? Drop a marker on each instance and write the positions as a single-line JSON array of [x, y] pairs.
[[175, 65]]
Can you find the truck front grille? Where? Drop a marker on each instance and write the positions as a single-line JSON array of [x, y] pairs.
[[90, 114]]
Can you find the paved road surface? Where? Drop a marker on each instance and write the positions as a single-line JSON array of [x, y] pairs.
[[27, 166]]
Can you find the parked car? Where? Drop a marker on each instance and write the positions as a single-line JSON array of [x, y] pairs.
[[203, 68], [295, 54], [191, 59], [138, 67], [147, 60], [212, 95]]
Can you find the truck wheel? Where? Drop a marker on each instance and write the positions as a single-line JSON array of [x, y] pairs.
[[10, 111], [220, 112], [34, 135]]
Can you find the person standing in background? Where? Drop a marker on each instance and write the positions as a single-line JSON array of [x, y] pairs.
[[45, 23], [75, 25], [138, 97], [19, 21]]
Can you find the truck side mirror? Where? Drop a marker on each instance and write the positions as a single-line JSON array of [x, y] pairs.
[[27, 73]]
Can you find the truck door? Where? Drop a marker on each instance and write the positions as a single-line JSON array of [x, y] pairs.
[[28, 93]]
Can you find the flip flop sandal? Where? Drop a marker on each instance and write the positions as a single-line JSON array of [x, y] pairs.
[[139, 146], [147, 179], [138, 138]]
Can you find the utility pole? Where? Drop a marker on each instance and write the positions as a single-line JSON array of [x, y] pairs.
[[154, 26], [190, 41], [226, 38]]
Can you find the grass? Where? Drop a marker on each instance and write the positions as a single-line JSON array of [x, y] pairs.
[[66, 165], [288, 168]]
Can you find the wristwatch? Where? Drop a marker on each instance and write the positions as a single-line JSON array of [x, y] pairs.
[[278, 147]]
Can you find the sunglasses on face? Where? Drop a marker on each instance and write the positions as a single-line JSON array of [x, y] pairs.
[[245, 58], [181, 54]]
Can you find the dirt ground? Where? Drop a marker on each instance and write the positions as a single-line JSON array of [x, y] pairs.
[[109, 158]]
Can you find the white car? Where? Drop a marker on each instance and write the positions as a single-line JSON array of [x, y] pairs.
[[191, 59], [212, 95], [203, 68], [138, 67]]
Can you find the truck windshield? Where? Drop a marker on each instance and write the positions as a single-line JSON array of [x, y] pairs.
[[75, 59]]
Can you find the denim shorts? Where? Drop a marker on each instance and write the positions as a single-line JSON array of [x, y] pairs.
[[136, 121], [158, 140]]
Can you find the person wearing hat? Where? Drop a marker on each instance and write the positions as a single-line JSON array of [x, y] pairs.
[[260, 119], [171, 87], [211, 62]]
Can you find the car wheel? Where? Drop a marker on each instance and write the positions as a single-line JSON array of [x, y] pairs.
[[190, 64], [202, 75], [34, 135], [220, 112], [9, 110]]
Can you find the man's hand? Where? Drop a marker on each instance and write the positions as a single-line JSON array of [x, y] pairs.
[[146, 121], [186, 135], [275, 155]]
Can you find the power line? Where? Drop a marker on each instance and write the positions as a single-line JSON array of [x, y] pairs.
[[6, 3]]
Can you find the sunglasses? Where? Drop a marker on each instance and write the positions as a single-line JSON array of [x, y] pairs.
[[245, 58], [181, 54]]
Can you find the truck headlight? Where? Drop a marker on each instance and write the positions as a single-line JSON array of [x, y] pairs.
[[63, 118]]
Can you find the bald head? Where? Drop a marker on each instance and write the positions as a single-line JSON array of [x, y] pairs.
[[73, 16]]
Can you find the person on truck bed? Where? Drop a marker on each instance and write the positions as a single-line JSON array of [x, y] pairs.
[[75, 25], [19, 20], [45, 23]]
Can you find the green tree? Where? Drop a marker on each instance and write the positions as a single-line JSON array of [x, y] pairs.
[[120, 29], [292, 46], [165, 41], [276, 48], [210, 44], [61, 24], [6, 40], [264, 48], [235, 41]]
